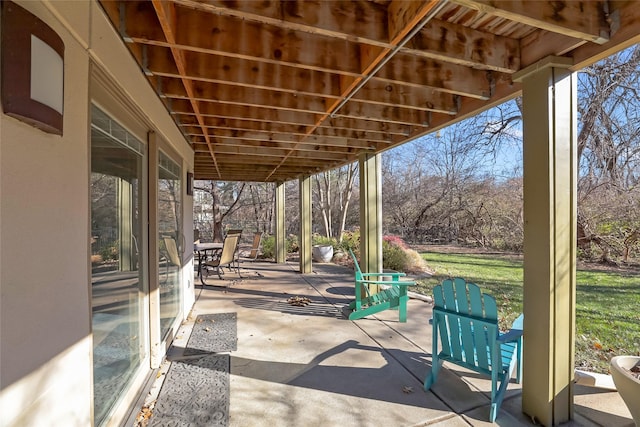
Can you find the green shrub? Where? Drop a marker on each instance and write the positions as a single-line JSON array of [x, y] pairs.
[[110, 252], [350, 240], [292, 244], [317, 239], [269, 245], [395, 241], [394, 257]]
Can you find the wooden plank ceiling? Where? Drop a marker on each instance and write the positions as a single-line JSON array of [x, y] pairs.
[[272, 90]]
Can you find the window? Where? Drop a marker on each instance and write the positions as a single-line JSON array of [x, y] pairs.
[[171, 241], [117, 280]]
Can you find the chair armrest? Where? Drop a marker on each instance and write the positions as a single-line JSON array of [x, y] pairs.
[[387, 282], [516, 330], [518, 323], [394, 275], [512, 335]]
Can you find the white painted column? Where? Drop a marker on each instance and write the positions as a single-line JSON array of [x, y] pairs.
[[155, 334], [370, 212], [305, 225], [281, 242], [125, 225], [550, 176]]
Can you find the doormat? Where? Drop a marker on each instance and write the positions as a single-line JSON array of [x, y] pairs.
[[195, 393], [213, 333]]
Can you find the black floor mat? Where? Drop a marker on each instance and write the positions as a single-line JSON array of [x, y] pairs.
[[195, 393], [213, 333]]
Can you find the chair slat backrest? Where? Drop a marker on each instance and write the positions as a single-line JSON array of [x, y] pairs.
[[356, 266], [234, 231], [255, 247], [228, 249], [467, 321], [172, 251], [361, 290]]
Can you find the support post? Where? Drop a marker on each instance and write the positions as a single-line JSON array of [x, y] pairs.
[[281, 243], [550, 210], [155, 333], [370, 213], [305, 224], [125, 225]]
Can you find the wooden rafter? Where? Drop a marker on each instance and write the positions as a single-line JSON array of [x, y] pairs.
[[583, 20], [404, 17], [167, 17], [278, 89]]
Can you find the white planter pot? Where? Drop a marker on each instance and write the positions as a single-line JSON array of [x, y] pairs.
[[628, 386], [322, 253]]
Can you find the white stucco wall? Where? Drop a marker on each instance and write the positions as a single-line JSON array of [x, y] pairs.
[[45, 345], [45, 316]]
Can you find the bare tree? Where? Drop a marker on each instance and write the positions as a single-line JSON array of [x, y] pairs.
[[225, 198], [333, 191], [434, 188], [261, 202], [609, 155]]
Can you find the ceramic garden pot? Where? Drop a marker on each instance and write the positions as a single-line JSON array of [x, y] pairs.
[[627, 384], [322, 253]]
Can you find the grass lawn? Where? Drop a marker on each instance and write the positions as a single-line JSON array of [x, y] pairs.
[[608, 302]]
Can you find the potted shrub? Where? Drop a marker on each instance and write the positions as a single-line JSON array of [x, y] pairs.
[[322, 249], [625, 371], [322, 253]]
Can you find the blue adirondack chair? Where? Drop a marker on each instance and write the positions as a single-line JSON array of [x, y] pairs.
[[466, 320], [394, 296]]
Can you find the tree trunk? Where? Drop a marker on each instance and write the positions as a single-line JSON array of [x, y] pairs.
[[346, 199], [217, 215]]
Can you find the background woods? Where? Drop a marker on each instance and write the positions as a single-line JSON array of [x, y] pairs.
[[463, 184]]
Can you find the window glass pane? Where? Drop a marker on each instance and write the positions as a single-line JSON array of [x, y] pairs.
[[170, 240], [116, 276]]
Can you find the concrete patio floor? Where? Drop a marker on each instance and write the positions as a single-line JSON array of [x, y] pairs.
[[310, 366]]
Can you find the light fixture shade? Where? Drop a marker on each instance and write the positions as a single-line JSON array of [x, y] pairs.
[[190, 183], [32, 70]]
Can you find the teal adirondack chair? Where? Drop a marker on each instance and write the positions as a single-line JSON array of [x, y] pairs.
[[393, 297], [466, 320]]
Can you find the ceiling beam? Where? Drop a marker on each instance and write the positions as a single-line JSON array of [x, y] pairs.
[[419, 98], [262, 152], [355, 109], [625, 23], [363, 22], [181, 108], [367, 125], [167, 17], [450, 78], [270, 137], [452, 43], [229, 94], [244, 72], [405, 16], [356, 20], [579, 19], [265, 114], [243, 39]]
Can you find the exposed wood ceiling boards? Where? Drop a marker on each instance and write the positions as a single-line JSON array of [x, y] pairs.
[[578, 19], [168, 22], [273, 90]]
